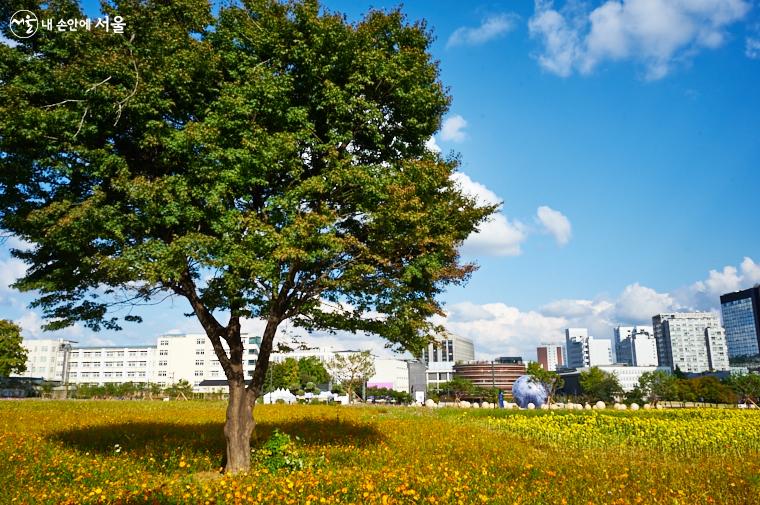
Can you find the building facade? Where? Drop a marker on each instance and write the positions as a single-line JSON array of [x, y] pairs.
[[628, 376], [584, 350], [635, 346], [694, 342], [550, 356], [47, 359], [741, 320], [439, 357], [490, 374]]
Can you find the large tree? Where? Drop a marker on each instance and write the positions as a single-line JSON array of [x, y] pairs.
[[267, 161], [12, 353]]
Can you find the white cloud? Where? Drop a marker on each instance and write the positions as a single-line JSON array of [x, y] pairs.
[[555, 223], [752, 48], [31, 327], [432, 145], [491, 28], [498, 236], [453, 129], [10, 271], [655, 33], [637, 304], [750, 271]]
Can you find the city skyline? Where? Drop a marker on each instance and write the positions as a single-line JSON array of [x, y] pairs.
[[625, 180]]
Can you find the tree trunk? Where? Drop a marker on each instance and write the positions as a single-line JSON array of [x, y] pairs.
[[238, 429]]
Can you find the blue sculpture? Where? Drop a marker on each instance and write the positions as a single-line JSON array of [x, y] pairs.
[[527, 389]]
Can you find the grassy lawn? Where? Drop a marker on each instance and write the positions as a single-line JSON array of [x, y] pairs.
[[170, 452]]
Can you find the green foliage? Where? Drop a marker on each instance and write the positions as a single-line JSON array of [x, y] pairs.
[[12, 353], [551, 380], [389, 395], [179, 388], [312, 370], [458, 388], [279, 452], [599, 385], [746, 386], [657, 385]]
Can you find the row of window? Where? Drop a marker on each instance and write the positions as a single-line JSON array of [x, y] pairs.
[[86, 375], [96, 364], [108, 354]]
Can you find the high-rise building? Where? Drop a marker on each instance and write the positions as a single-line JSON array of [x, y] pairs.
[[576, 343], [741, 319], [692, 341], [550, 356], [583, 350], [441, 356], [635, 346]]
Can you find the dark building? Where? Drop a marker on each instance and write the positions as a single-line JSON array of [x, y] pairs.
[[741, 320], [510, 360], [490, 374]]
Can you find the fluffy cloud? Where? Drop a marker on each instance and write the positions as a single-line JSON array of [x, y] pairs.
[[31, 327], [655, 33], [637, 304], [432, 145], [555, 223], [453, 129], [498, 236], [491, 28], [10, 271]]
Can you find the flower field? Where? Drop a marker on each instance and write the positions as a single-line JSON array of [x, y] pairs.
[[170, 452]]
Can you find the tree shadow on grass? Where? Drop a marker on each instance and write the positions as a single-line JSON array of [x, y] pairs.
[[156, 439]]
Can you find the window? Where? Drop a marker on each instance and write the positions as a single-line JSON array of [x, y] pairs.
[[109, 354], [143, 363], [130, 374], [162, 373], [163, 343], [214, 373], [132, 363], [162, 363], [199, 352], [141, 374], [74, 364], [253, 351], [163, 352], [255, 340], [251, 361], [143, 353], [199, 373], [107, 374], [118, 374], [198, 362], [132, 353], [108, 363], [250, 373], [73, 374], [119, 354], [86, 364], [199, 341]]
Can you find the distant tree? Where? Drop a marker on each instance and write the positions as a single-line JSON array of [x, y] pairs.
[[285, 375], [12, 353], [311, 369], [181, 388], [549, 379], [656, 386], [458, 388], [600, 385], [352, 369], [747, 387]]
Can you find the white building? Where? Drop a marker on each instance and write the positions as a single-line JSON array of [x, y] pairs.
[[628, 376], [390, 374], [584, 350], [636, 346], [47, 358], [692, 341], [441, 355], [174, 357], [101, 365]]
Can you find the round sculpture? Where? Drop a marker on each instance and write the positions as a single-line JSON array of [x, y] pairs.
[[527, 390]]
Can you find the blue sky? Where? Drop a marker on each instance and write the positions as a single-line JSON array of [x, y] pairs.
[[623, 138]]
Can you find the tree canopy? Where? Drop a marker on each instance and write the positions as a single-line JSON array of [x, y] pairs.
[[264, 161], [12, 353], [599, 385]]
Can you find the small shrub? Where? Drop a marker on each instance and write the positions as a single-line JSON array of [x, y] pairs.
[[279, 452]]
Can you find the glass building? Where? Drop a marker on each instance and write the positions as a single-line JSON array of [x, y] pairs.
[[741, 319]]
